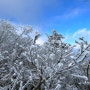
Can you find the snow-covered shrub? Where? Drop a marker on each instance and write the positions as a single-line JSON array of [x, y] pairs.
[[24, 65]]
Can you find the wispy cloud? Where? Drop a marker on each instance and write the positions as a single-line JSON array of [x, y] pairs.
[[84, 32], [70, 14]]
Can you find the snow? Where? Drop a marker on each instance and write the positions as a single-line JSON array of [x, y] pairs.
[[58, 87], [49, 71], [37, 63], [24, 54], [1, 57], [73, 57], [43, 62], [71, 64], [59, 51], [20, 63], [32, 47], [52, 56], [27, 29], [79, 76], [60, 65], [30, 78]]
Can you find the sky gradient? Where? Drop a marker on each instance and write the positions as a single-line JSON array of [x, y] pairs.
[[69, 17]]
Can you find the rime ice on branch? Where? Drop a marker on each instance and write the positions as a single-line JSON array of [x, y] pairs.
[[24, 65]]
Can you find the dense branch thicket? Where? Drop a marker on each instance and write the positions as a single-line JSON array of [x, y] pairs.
[[55, 65]]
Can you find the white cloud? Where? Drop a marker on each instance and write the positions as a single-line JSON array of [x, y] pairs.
[[82, 32], [71, 37], [73, 13], [69, 14]]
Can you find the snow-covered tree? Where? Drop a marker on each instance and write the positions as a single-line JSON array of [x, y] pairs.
[[24, 65]]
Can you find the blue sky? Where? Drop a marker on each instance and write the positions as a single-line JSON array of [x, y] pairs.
[[69, 17]]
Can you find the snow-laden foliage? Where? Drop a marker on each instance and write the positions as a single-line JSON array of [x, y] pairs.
[[24, 65]]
